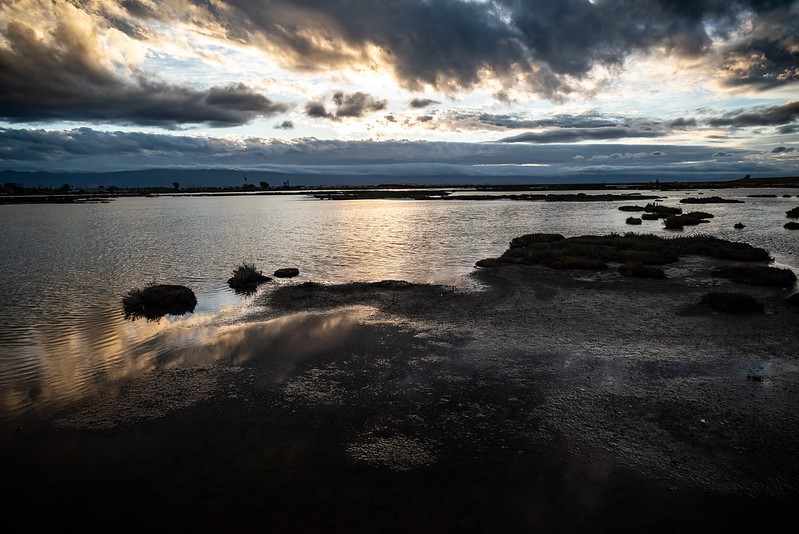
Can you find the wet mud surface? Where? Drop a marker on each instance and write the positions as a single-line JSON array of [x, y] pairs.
[[538, 400]]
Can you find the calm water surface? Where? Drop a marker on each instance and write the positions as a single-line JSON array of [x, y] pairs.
[[65, 268]]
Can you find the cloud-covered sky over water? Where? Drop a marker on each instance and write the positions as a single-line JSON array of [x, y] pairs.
[[539, 88]]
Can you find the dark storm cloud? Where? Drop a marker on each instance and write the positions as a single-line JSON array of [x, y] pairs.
[[418, 103], [285, 125], [772, 116], [573, 135], [451, 43], [356, 104], [782, 149], [346, 105], [791, 128], [681, 123], [66, 80]]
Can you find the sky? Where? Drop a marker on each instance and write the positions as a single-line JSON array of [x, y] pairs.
[[572, 90]]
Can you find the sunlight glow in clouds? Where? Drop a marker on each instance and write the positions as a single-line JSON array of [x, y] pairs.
[[718, 75]]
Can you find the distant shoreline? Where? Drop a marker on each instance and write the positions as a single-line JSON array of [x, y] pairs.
[[17, 194]]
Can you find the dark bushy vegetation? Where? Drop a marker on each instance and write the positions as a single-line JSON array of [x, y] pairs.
[[793, 213], [532, 239], [633, 220], [732, 302], [710, 200], [676, 222], [631, 208], [653, 207], [650, 216], [739, 226], [550, 249], [155, 301], [791, 226], [246, 278], [700, 215], [759, 275], [287, 272], [639, 270]]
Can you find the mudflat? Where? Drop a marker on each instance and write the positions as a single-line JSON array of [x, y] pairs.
[[534, 400]]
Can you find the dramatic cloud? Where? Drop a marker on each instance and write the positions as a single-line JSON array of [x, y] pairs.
[[285, 125], [346, 105], [772, 116], [418, 103], [65, 74], [782, 149], [451, 44], [573, 135], [767, 54]]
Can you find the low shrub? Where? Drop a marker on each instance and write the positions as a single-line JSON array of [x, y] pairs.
[[759, 275], [633, 220], [791, 226], [793, 213], [157, 300], [658, 208], [739, 226], [710, 200], [650, 216], [638, 270], [676, 222], [631, 208], [531, 239], [732, 302], [699, 215], [647, 249], [246, 278]]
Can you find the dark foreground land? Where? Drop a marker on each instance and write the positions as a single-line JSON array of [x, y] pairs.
[[540, 401]]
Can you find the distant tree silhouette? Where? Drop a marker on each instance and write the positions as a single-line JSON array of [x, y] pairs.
[[264, 185], [64, 188], [176, 185]]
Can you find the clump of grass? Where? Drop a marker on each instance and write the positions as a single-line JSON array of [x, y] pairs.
[[653, 207], [732, 302], [246, 278], [791, 226], [650, 216], [633, 220], [639, 270], [545, 249], [532, 239], [759, 275], [157, 300], [676, 222], [739, 226], [793, 213], [710, 200], [699, 215], [631, 208]]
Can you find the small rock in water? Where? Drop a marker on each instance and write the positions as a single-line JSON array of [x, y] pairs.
[[739, 225]]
